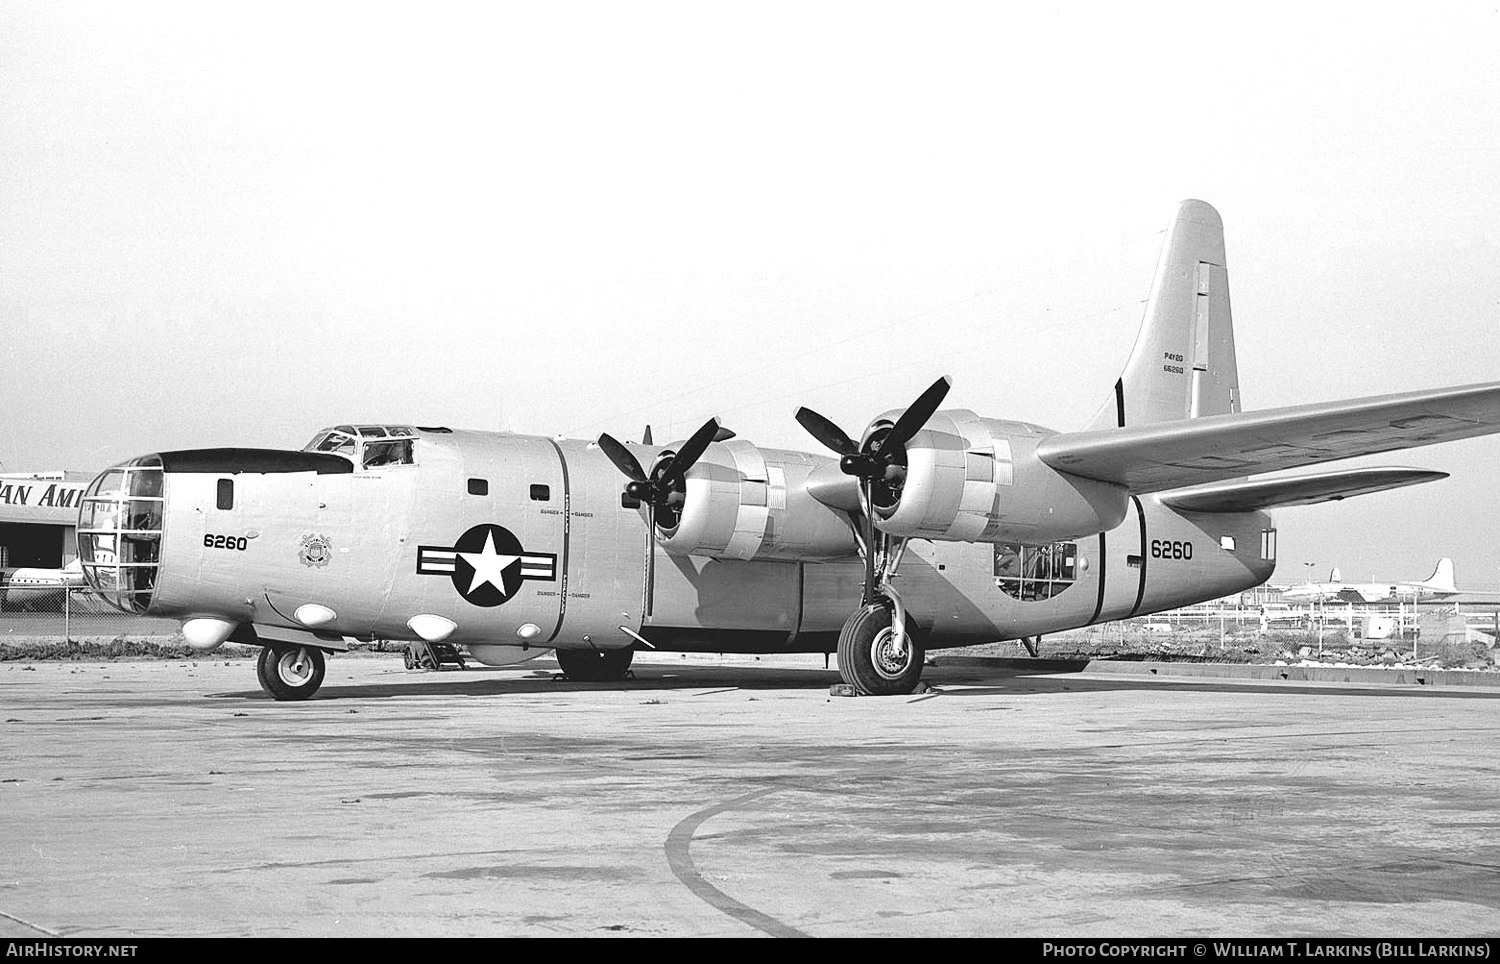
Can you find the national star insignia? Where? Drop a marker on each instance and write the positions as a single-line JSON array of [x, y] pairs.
[[486, 564], [489, 566]]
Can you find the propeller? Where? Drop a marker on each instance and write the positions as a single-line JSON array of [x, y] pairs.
[[881, 462], [880, 466], [663, 489]]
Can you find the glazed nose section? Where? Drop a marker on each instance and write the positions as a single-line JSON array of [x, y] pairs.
[[119, 533]]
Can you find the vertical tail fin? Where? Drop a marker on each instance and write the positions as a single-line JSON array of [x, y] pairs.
[[1334, 575], [1183, 363], [1442, 577]]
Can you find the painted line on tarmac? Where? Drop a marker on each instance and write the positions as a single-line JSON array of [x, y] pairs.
[[681, 862], [27, 923]]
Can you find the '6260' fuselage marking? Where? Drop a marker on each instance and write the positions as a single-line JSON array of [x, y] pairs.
[[1171, 549]]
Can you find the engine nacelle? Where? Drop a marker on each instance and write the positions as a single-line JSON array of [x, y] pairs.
[[744, 502], [973, 479]]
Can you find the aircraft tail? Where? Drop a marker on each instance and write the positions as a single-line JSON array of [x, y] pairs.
[[1183, 363], [1442, 577], [1334, 575]]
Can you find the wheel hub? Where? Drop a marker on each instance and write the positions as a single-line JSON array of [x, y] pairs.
[[294, 668], [888, 660]]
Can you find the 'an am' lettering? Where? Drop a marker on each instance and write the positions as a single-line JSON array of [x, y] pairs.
[[12, 494], [61, 497]]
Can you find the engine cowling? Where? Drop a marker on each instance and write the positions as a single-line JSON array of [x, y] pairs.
[[745, 502], [975, 479]]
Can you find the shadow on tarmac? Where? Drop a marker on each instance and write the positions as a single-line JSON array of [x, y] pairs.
[[1013, 679]]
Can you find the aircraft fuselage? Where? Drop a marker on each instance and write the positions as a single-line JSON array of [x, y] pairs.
[[524, 542]]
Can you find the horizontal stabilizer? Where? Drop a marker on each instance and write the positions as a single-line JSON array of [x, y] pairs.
[[1170, 455], [1250, 495]]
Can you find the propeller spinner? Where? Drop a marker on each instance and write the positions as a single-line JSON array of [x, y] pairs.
[[664, 488]]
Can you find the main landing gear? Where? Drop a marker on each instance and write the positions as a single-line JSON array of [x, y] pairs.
[[594, 665], [290, 672], [878, 653], [873, 659]]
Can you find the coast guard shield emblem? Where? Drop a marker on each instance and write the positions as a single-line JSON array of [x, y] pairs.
[[316, 551]]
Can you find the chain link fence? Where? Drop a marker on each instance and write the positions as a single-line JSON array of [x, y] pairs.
[[54, 613]]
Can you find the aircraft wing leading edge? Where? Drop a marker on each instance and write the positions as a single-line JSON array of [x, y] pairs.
[[1172, 454]]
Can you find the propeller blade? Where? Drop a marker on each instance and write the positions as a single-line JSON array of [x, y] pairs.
[[622, 457], [646, 436], [692, 450], [912, 420], [826, 432]]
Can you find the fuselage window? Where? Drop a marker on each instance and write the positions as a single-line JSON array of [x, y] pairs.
[[1268, 544], [226, 494], [479, 486], [541, 493], [1226, 542], [1035, 572]]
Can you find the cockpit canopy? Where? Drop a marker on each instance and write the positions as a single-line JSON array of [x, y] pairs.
[[367, 446]]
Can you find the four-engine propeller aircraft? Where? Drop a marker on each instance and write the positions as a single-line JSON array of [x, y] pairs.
[[931, 527], [1439, 585]]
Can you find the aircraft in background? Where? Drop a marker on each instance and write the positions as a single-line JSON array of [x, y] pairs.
[[1439, 585], [929, 528], [69, 576], [31, 587]]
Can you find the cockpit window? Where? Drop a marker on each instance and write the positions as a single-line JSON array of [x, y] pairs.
[[333, 441], [388, 453], [369, 446]]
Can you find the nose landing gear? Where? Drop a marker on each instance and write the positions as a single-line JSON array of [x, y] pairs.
[[290, 672]]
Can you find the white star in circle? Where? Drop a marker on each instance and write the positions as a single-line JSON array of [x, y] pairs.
[[489, 566]]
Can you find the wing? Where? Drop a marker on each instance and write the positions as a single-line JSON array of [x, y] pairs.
[[1249, 495], [1169, 455]]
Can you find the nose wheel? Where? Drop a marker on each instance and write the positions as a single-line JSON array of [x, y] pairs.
[[290, 672]]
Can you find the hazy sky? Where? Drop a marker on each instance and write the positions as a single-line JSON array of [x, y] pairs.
[[565, 218]]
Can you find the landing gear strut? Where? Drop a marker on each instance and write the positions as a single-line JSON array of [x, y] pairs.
[[879, 654], [290, 672]]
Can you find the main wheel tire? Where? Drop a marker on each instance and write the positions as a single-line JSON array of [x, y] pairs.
[[410, 660], [291, 672], [868, 660], [593, 665]]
